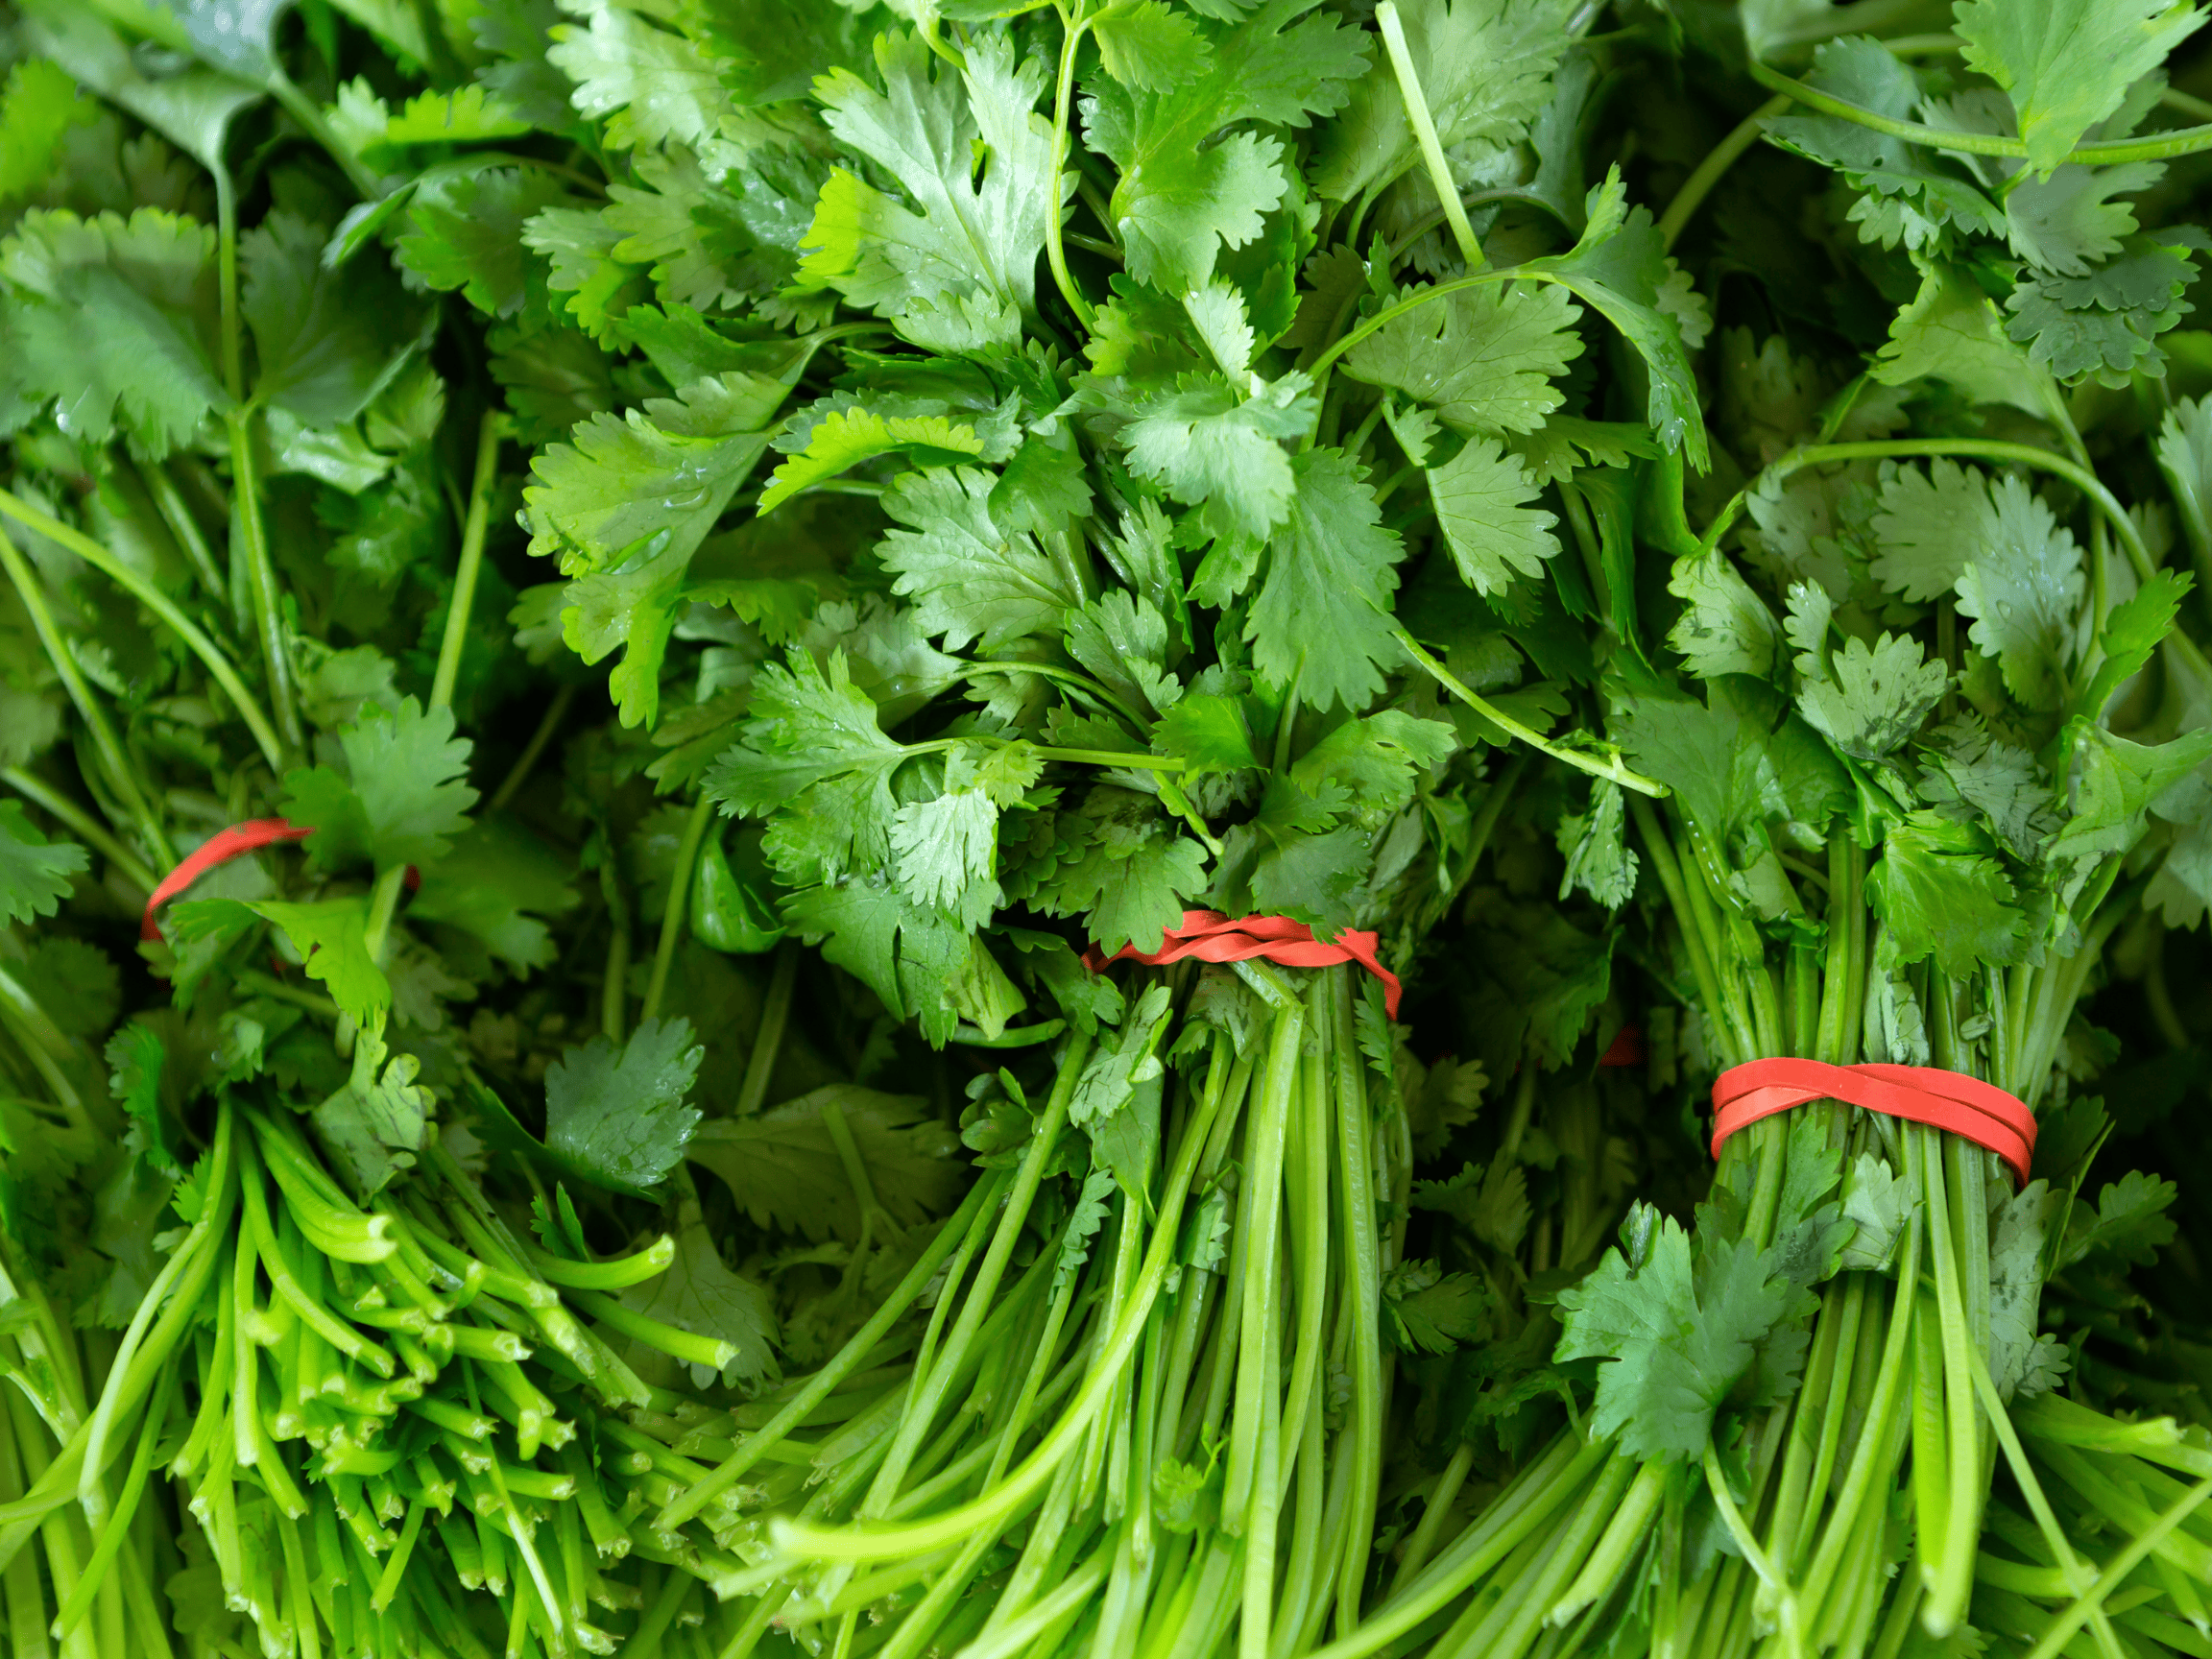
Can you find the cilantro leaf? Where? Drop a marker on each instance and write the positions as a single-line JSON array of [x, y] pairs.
[[812, 742], [1484, 498], [1321, 619], [970, 578], [1190, 179], [1874, 698], [1123, 868], [1486, 67], [1484, 358], [401, 797], [1208, 445], [1596, 847], [148, 282], [326, 342], [845, 438], [784, 1171], [616, 1117], [2131, 1223], [34, 872], [2068, 64], [1927, 526], [1678, 1336], [1940, 893], [2023, 587], [656, 85], [960, 273], [466, 233], [1426, 1311], [1724, 628], [1952, 332], [699, 1293]]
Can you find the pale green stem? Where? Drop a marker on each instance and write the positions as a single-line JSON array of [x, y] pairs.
[[1722, 156], [2104, 153], [1607, 767], [210, 654], [123, 778], [673, 913], [472, 535], [1424, 127]]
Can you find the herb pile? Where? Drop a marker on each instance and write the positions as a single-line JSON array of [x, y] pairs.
[[741, 541]]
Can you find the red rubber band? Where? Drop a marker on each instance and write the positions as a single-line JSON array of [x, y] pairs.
[[219, 847], [1211, 937], [1627, 1048], [1965, 1106]]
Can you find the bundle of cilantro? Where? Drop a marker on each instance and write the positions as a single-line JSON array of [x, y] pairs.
[[1892, 837], [266, 1217], [1028, 600]]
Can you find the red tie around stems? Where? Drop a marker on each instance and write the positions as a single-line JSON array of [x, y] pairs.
[[1967, 1106], [220, 848], [1211, 937]]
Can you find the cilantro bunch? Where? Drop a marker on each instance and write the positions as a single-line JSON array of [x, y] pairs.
[[359, 1293], [1932, 744], [1052, 486]]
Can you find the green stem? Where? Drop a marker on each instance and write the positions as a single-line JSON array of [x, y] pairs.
[[488, 433], [81, 824], [768, 1042], [122, 775], [210, 655], [2063, 1628], [383, 901], [177, 513], [249, 536], [1424, 127], [1610, 768], [303, 109], [673, 913], [556, 711], [1063, 100], [2104, 153], [1722, 156]]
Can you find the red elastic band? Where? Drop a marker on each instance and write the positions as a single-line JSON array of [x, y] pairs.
[[1211, 937], [1967, 1106], [219, 847]]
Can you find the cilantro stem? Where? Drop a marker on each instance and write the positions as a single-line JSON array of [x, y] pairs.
[[210, 655], [177, 513], [122, 774], [986, 1193], [2104, 153], [1115, 1345], [1717, 160], [1424, 127], [251, 540], [673, 913], [613, 988], [81, 824], [519, 773], [1019, 1037], [488, 434], [1608, 767], [2116, 1570], [768, 1039], [1063, 100], [1113, 758]]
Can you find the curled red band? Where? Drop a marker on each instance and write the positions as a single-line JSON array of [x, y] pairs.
[[1211, 937], [1967, 1106], [219, 847]]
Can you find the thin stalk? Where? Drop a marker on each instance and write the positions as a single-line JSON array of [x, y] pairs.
[[2063, 1626], [1362, 1287], [82, 825], [1424, 127], [1609, 766], [122, 775], [673, 913], [1722, 156], [210, 654], [176, 513], [1063, 107], [488, 434], [2104, 153], [768, 1042], [549, 723]]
